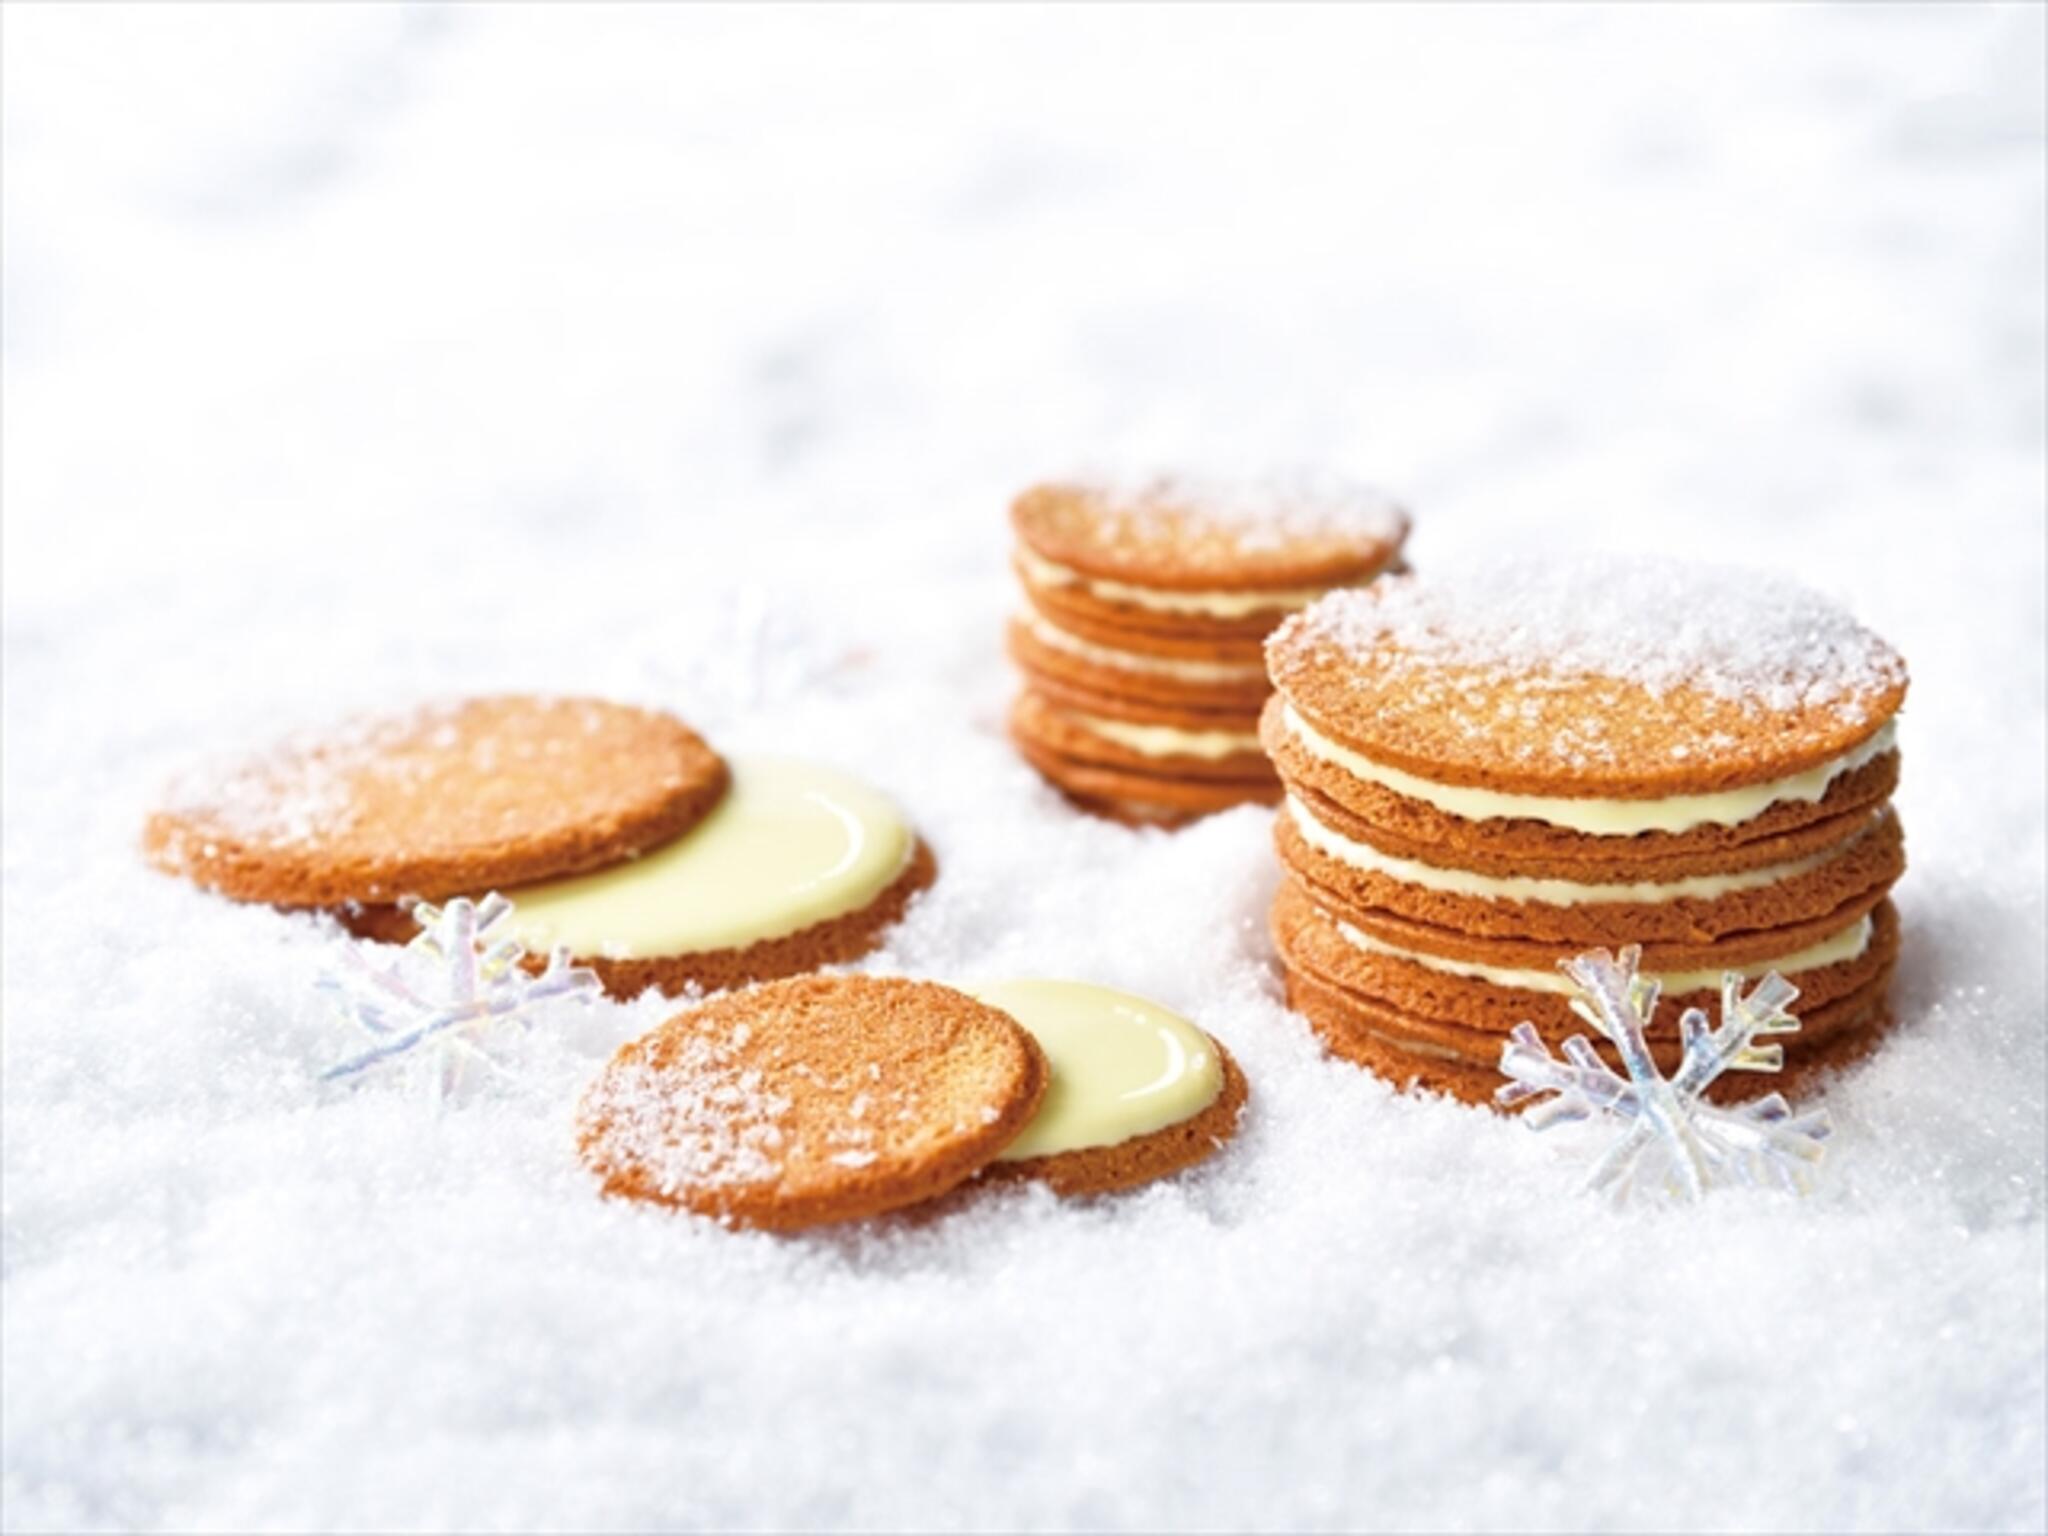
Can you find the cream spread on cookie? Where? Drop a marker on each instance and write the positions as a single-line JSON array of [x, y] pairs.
[[1594, 816], [1166, 740], [1848, 944], [1557, 893], [1138, 661], [793, 844], [1042, 572], [1122, 1067]]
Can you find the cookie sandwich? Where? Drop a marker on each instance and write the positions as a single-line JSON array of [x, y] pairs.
[[824, 1099], [1489, 772], [1139, 638], [616, 832]]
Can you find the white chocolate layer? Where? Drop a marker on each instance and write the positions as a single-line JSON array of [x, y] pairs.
[[791, 845], [1597, 817], [1122, 1067], [1221, 605], [1846, 945], [1556, 893], [1137, 661], [1166, 740]]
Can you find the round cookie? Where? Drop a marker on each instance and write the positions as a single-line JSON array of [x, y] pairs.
[[1050, 654], [1594, 678], [1699, 905], [1452, 948], [1402, 822], [1138, 795], [437, 801], [1305, 928], [1497, 847], [800, 866], [816, 1100], [1137, 1093], [1181, 535], [1428, 1035], [1185, 747], [1232, 652], [1068, 696], [1412, 1065]]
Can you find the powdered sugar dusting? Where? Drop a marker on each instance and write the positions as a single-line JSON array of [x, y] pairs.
[[1250, 513], [311, 788], [1748, 637], [697, 1119], [296, 794]]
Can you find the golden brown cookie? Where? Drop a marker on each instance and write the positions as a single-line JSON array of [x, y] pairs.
[[1183, 747], [1448, 948], [1364, 1038], [1307, 933], [1136, 795], [1424, 1035], [1184, 535], [1699, 907], [1404, 824], [1082, 701], [437, 801], [1532, 849], [1617, 679], [1050, 655], [1245, 653], [817, 1100]]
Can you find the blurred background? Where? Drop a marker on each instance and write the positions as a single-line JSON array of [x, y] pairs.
[[293, 287]]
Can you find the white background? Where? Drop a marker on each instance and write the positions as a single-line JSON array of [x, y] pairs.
[[356, 354]]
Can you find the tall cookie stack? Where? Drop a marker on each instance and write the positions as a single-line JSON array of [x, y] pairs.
[[1146, 609], [1490, 773]]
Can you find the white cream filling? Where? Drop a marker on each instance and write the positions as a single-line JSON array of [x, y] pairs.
[[1599, 818], [1137, 661], [1222, 605], [1846, 945], [1557, 893], [1166, 740]]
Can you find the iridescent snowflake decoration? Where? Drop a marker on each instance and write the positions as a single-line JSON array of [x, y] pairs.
[[438, 1015], [1676, 1143]]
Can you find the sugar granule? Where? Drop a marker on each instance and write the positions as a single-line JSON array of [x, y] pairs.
[[1751, 637]]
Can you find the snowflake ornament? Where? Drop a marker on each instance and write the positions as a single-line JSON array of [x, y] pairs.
[[438, 1019], [1677, 1143]]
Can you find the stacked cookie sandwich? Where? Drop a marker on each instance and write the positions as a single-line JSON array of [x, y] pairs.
[[1488, 773], [616, 832], [1145, 609]]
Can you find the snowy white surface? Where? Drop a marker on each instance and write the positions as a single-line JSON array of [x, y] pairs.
[[356, 354]]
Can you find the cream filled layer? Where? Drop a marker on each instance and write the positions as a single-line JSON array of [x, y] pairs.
[[1218, 604], [1122, 1067], [1166, 740], [1556, 893], [791, 845], [1137, 661], [1596, 817], [1851, 942]]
